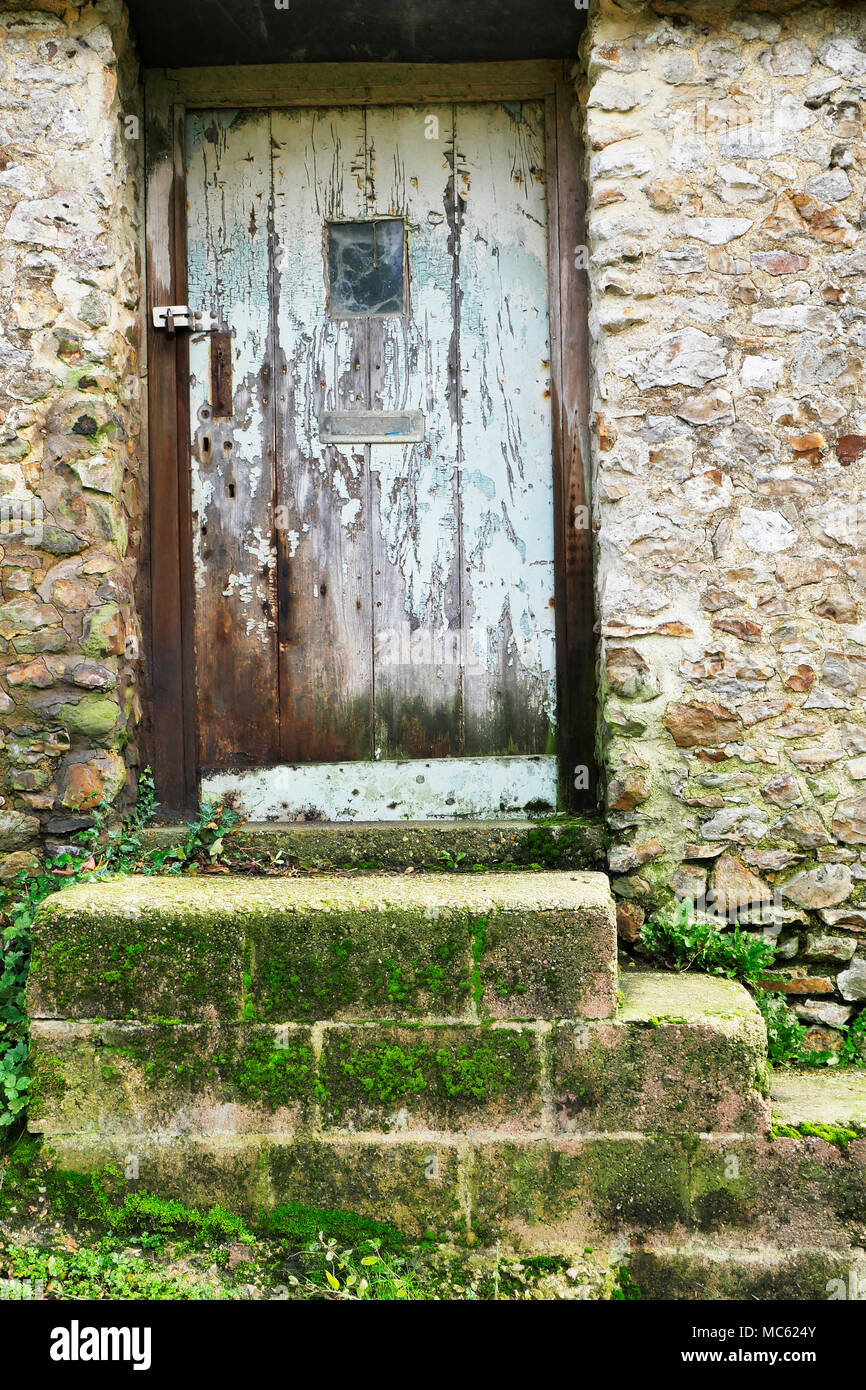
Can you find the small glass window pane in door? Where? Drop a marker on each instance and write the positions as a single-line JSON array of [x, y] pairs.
[[366, 275]]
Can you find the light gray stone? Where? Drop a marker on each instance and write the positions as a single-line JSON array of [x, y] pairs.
[[852, 982]]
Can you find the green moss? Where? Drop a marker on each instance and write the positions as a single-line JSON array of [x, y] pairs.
[[88, 967], [337, 962], [841, 1135], [275, 1074], [563, 842], [437, 1070], [301, 1225]]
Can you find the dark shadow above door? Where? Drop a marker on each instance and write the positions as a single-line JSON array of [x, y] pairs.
[[209, 33]]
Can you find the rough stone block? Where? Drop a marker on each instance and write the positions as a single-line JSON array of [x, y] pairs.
[[452, 1078], [686, 1053], [169, 1078], [558, 1193], [557, 960]]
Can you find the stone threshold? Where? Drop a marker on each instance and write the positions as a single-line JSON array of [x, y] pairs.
[[567, 842]]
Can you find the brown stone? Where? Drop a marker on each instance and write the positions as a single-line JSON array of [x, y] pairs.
[[628, 789], [629, 920], [801, 680], [826, 886], [90, 783], [838, 605], [794, 571], [691, 724], [713, 599], [822, 1040], [689, 882], [744, 628], [20, 861], [623, 858], [628, 674], [32, 673], [791, 983], [667, 193], [849, 821], [781, 790], [807, 443], [849, 447], [779, 262], [70, 594], [805, 828], [770, 860], [756, 711], [736, 887]]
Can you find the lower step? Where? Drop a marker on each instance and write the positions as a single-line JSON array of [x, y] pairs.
[[713, 1270], [544, 1195]]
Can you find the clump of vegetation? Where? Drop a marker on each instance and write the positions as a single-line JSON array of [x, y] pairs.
[[691, 942], [841, 1135], [786, 1038], [686, 941]]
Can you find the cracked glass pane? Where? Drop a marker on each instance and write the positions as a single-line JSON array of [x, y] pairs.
[[365, 268]]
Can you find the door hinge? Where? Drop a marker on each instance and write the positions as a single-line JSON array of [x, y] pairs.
[[174, 316]]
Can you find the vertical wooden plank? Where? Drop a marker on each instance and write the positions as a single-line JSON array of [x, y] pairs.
[[323, 491], [229, 194], [507, 475], [169, 658], [189, 701], [570, 385], [415, 508]]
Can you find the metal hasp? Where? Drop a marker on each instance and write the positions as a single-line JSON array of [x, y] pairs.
[[174, 316]]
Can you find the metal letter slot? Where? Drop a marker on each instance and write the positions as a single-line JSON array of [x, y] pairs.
[[371, 427]]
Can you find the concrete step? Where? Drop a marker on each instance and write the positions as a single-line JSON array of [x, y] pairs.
[[684, 1055], [299, 950], [620, 1193], [701, 1069], [560, 842]]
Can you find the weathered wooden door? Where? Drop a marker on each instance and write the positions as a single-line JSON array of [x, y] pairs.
[[371, 471]]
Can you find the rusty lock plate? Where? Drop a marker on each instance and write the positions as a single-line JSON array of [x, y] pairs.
[[221, 392]]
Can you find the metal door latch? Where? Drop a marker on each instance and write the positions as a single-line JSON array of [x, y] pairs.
[[174, 316]]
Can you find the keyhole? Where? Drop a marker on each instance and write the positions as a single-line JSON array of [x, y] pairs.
[[230, 490], [323, 590], [205, 444]]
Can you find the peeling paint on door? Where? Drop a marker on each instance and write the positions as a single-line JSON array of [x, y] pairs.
[[358, 603]]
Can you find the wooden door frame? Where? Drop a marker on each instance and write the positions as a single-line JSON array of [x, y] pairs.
[[169, 94]]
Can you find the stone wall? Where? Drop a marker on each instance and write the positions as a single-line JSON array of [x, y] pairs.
[[70, 500], [726, 162]]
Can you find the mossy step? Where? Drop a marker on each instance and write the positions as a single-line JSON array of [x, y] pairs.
[[643, 1071], [562, 842], [681, 1196], [686, 1053], [715, 1270], [498, 945]]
